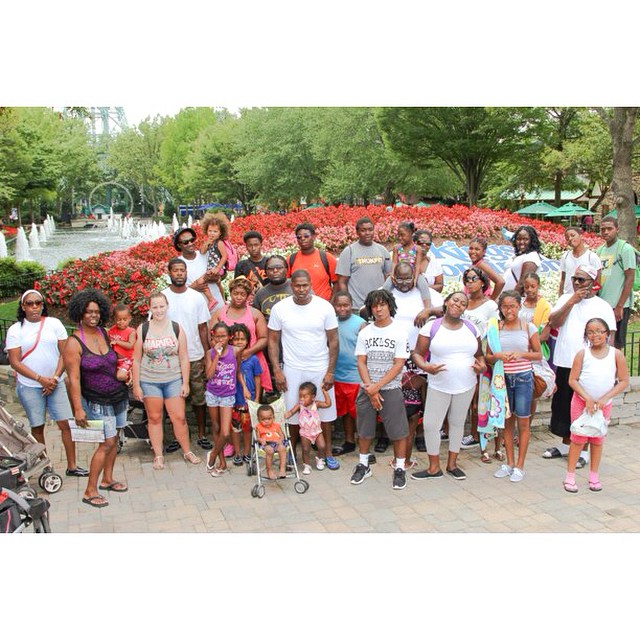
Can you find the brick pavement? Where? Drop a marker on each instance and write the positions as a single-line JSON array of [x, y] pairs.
[[185, 499]]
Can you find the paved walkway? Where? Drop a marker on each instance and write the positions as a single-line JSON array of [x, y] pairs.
[[184, 498]]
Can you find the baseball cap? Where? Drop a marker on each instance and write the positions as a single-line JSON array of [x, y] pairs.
[[178, 233]]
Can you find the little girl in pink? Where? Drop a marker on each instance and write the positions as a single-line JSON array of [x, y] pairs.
[[310, 426]]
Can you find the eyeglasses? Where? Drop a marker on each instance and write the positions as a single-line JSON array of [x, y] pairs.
[[424, 243], [32, 303], [579, 279], [471, 278], [189, 241]]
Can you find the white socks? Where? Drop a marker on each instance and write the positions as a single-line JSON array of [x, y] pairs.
[[364, 459]]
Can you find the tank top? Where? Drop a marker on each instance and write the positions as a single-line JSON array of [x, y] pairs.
[[223, 383], [407, 255], [160, 361], [249, 322], [98, 382], [598, 376]]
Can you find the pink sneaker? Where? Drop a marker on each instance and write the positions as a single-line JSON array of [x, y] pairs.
[[227, 452]]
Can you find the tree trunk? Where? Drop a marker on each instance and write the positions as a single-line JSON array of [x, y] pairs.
[[621, 127], [557, 187], [388, 196]]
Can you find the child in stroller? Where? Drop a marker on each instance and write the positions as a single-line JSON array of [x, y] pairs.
[[271, 439]]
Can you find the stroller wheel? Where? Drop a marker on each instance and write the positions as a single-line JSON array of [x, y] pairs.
[[51, 482], [27, 491], [260, 491], [301, 486], [254, 491]]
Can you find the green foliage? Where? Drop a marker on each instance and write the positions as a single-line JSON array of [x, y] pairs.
[[64, 263], [9, 268]]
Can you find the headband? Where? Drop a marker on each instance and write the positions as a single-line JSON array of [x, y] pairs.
[[27, 292]]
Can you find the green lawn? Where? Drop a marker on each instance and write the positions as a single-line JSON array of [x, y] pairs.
[[8, 310]]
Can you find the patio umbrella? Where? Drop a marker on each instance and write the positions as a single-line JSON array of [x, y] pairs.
[[614, 213], [537, 208], [568, 210], [421, 204]]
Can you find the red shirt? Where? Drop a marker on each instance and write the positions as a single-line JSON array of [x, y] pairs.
[[312, 264]]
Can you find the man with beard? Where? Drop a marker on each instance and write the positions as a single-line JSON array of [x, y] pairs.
[[308, 328], [198, 278], [570, 315], [189, 309]]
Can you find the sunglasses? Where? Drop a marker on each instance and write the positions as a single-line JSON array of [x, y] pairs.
[[580, 279], [471, 278], [32, 303], [303, 237], [190, 241]]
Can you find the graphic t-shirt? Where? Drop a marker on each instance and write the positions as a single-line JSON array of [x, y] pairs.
[[269, 295], [615, 259], [121, 334], [272, 433], [366, 267], [254, 272], [381, 346]]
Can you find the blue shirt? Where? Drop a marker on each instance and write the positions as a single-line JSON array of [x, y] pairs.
[[249, 368], [346, 365]]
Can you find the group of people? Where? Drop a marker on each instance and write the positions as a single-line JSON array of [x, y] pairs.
[[366, 337]]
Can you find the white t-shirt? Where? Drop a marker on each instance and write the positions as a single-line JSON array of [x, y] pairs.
[[43, 360], [515, 268], [481, 315], [571, 334], [196, 268], [382, 345], [303, 330], [456, 349], [434, 268], [189, 309], [409, 304], [570, 264]]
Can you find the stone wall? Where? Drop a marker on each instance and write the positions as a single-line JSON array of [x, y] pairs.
[[626, 408]]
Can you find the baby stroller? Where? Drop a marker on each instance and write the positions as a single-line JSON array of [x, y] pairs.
[[254, 467], [17, 442], [19, 509], [136, 427]]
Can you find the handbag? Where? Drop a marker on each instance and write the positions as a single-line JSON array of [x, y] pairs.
[[539, 386], [544, 379], [590, 426]]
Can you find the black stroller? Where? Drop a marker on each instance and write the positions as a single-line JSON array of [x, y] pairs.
[[136, 427], [20, 509]]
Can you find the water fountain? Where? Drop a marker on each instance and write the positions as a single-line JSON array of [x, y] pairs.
[[190, 221], [52, 222], [43, 234], [34, 241], [22, 246], [174, 223]]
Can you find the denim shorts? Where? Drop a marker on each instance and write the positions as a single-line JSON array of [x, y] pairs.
[[163, 390], [36, 405], [520, 392], [213, 400], [114, 416]]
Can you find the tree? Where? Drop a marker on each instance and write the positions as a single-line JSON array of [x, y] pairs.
[[621, 122], [469, 140]]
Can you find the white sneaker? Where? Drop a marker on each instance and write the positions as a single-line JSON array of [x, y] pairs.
[[516, 475], [504, 471], [320, 463], [306, 469]]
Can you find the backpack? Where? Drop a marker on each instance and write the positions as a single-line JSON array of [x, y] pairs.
[[636, 277], [232, 256], [437, 323], [145, 329], [323, 259]]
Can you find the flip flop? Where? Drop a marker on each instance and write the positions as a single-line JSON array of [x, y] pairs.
[[92, 502], [552, 452], [116, 487]]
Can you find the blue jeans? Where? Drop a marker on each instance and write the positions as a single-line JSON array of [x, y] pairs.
[[113, 416], [36, 405], [520, 392]]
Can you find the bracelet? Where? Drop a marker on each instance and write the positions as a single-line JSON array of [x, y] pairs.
[[37, 377]]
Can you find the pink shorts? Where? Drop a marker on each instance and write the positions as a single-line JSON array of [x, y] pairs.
[[125, 364], [346, 393], [577, 407]]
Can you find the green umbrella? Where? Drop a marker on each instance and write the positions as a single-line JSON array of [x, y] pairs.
[[614, 213], [537, 208], [568, 210], [421, 204]]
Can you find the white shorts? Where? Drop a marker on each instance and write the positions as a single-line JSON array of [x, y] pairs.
[[295, 378]]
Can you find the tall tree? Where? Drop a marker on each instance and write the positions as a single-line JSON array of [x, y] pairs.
[[469, 140]]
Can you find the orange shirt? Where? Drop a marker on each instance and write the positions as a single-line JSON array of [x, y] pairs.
[[272, 433], [312, 263]]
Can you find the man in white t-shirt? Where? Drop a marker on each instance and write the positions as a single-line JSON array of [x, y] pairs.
[[307, 328], [189, 309], [570, 315], [577, 255], [198, 278]]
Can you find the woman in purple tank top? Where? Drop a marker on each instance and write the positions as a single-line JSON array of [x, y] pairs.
[[95, 392]]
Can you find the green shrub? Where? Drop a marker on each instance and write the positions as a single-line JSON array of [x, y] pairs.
[[16, 277]]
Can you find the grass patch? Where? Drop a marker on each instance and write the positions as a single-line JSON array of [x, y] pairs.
[[8, 310]]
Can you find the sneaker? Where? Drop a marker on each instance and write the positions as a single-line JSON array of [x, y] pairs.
[[237, 461], [332, 463], [360, 473], [227, 452], [320, 463], [78, 472], [342, 449], [504, 471], [468, 442], [457, 474], [306, 469], [246, 459], [424, 475], [399, 479], [205, 444], [444, 435], [516, 475], [172, 447]]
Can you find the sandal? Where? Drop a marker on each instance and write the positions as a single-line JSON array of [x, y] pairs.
[[485, 457], [191, 457], [498, 455], [595, 486], [570, 487], [158, 463], [96, 501], [552, 452], [216, 473]]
